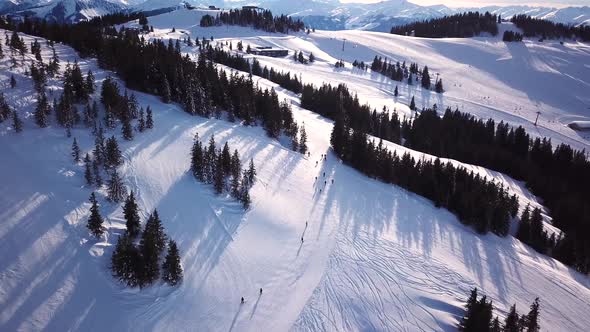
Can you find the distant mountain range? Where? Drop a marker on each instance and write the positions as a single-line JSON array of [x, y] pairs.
[[321, 14]]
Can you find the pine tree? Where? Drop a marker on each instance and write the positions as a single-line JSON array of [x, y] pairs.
[[511, 322], [171, 269], [95, 219], [523, 233], [116, 190], [12, 81], [17, 123], [532, 319], [75, 151], [496, 325], [127, 263], [413, 104], [153, 240], [112, 154], [425, 78], [439, 86], [311, 57], [131, 216], [41, 111], [126, 128], [197, 162], [141, 121], [1, 52], [251, 173], [149, 122], [395, 92], [303, 140], [218, 177], [88, 170]]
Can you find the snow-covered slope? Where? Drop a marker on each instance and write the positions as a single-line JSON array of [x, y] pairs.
[[375, 257], [65, 10]]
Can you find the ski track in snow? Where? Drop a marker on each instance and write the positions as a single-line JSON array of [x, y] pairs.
[[374, 257]]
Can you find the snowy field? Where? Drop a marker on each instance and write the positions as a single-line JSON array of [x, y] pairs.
[[374, 257]]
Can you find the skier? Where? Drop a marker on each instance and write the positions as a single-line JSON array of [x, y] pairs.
[[242, 300], [332, 181], [306, 224], [302, 239], [261, 291], [324, 174]]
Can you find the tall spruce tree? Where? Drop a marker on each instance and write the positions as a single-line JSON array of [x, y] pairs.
[[127, 262], [116, 190], [303, 140], [511, 322], [153, 241], [171, 269], [95, 220], [149, 122], [131, 214], [75, 151], [113, 157], [532, 318]]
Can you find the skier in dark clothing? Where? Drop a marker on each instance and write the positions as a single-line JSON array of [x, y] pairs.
[[260, 291], [242, 300]]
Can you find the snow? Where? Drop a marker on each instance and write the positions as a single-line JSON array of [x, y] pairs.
[[374, 256]]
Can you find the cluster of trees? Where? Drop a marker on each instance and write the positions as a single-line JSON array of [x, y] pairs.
[[512, 36], [360, 65], [339, 64], [531, 232], [534, 27], [258, 19], [141, 265], [479, 317], [299, 57], [236, 61], [559, 176], [475, 200], [457, 26], [159, 68], [398, 72], [223, 170]]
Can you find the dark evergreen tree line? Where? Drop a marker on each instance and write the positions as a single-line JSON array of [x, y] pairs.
[[457, 26], [534, 27], [223, 170], [475, 200], [262, 20], [479, 317], [160, 69], [560, 176], [331, 101]]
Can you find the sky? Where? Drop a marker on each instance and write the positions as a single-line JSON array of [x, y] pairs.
[[481, 3]]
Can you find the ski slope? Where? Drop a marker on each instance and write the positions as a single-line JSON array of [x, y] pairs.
[[483, 75], [374, 257]]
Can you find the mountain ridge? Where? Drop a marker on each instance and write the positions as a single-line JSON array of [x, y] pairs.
[[321, 14]]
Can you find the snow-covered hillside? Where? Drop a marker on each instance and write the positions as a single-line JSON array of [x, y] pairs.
[[374, 256]]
